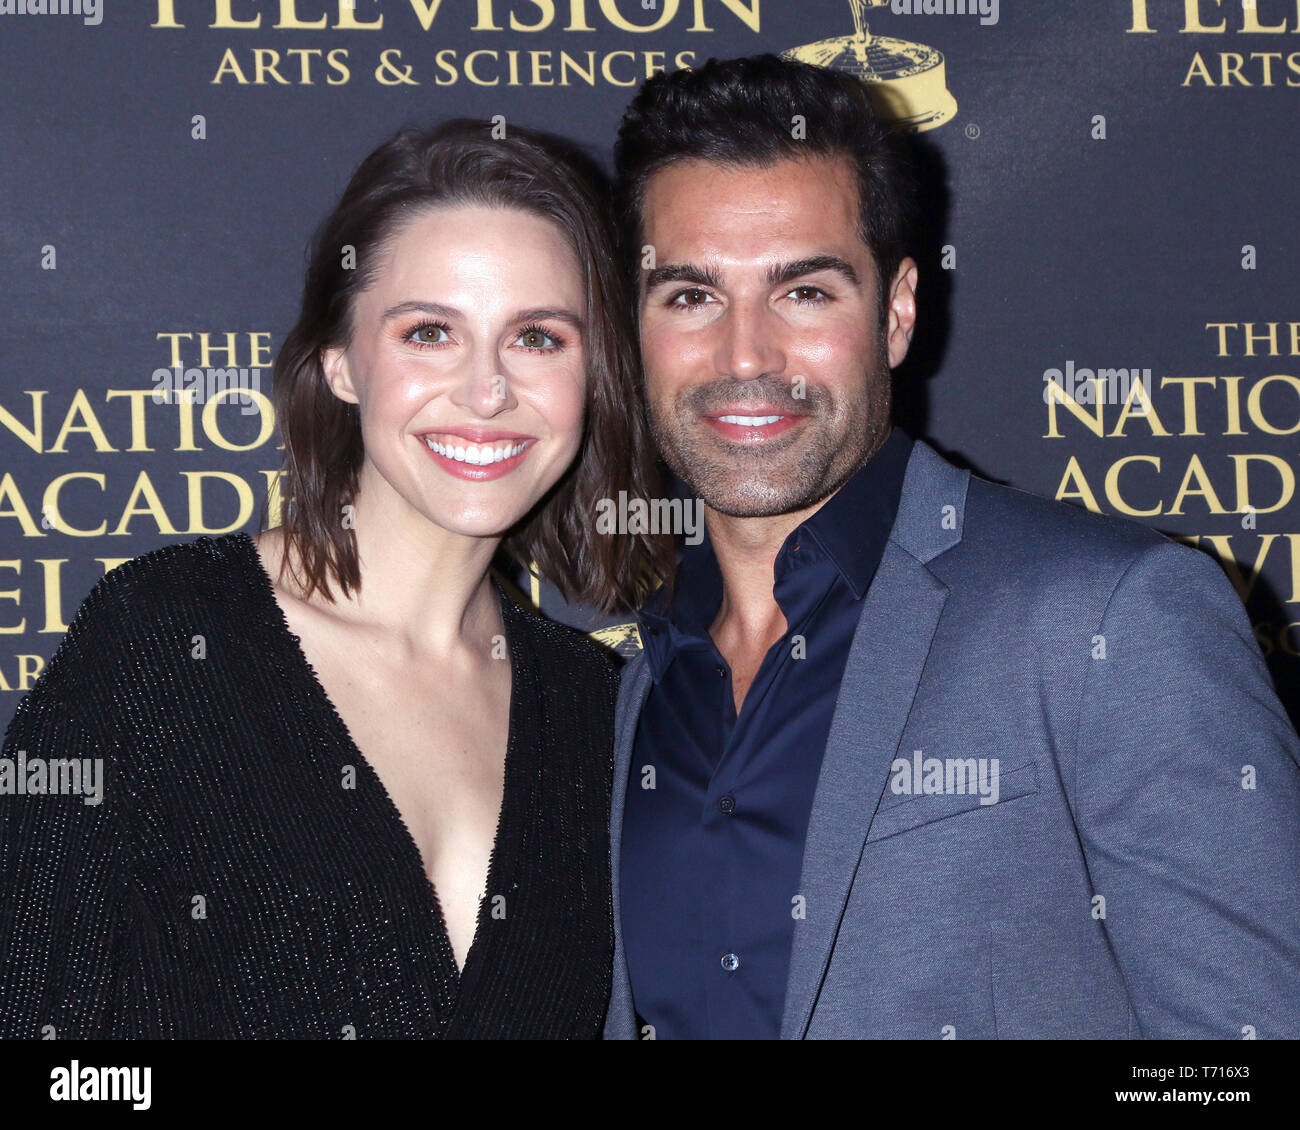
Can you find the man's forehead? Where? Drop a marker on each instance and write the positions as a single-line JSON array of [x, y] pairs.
[[701, 201], [724, 217], [785, 177]]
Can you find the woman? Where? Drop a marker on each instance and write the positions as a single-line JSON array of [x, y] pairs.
[[351, 789]]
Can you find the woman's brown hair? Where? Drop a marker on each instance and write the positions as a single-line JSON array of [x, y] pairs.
[[462, 161]]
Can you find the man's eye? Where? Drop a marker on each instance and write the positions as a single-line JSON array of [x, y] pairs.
[[428, 334], [812, 294], [694, 297]]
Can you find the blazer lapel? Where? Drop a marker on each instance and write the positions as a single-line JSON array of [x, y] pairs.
[[634, 688], [900, 615]]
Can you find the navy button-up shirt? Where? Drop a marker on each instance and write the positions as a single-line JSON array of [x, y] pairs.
[[718, 804]]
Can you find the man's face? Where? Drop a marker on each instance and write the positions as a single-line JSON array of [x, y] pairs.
[[767, 371]]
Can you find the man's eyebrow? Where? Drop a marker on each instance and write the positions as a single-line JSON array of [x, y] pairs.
[[787, 272], [778, 273], [438, 310], [683, 272]]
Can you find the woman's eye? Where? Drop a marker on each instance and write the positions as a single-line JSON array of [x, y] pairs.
[[534, 337], [429, 334]]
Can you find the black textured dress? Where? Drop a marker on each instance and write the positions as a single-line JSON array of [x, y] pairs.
[[246, 875]]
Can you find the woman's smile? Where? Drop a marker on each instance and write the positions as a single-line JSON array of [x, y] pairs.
[[477, 454]]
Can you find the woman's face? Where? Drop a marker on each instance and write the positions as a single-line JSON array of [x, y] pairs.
[[467, 365]]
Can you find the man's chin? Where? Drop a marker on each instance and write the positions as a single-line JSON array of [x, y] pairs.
[[748, 503], [758, 483]]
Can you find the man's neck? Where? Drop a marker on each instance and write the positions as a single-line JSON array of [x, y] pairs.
[[749, 620], [746, 550]]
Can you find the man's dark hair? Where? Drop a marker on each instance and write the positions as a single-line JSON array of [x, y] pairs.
[[742, 112]]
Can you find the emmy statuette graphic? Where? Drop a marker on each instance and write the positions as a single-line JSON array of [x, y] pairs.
[[907, 80]]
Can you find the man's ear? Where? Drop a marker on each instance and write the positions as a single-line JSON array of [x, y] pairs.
[[338, 374], [902, 311]]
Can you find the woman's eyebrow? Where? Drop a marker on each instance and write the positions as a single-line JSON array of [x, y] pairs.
[[549, 314], [416, 307], [440, 310]]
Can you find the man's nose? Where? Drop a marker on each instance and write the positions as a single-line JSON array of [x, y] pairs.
[[749, 345]]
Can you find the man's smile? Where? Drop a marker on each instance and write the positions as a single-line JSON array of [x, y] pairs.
[[754, 426]]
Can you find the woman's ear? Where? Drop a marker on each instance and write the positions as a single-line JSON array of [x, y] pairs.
[[338, 374]]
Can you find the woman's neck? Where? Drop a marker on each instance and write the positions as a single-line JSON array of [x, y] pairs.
[[424, 586]]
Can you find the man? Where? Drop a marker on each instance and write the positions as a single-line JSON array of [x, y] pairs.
[[909, 754]]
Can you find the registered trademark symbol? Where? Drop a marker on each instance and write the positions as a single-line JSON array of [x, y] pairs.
[[972, 131]]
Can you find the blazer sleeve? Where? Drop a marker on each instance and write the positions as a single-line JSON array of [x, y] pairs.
[[1188, 806], [63, 928]]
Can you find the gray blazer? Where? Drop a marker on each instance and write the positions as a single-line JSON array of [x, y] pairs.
[[1139, 873]]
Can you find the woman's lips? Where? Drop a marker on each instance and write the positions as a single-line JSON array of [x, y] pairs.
[[477, 454]]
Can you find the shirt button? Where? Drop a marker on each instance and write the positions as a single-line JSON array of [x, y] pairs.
[[727, 804], [730, 962]]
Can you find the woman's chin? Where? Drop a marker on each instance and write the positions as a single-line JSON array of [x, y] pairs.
[[478, 523]]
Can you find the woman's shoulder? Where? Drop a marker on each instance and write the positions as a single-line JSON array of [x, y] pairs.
[[171, 576], [570, 684], [130, 632], [215, 555], [183, 585], [562, 651]]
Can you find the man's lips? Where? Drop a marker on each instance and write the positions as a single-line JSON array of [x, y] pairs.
[[753, 425]]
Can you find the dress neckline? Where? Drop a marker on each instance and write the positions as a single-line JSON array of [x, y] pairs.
[[508, 822]]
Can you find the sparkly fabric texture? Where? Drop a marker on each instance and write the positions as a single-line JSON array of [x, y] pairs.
[[232, 885]]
